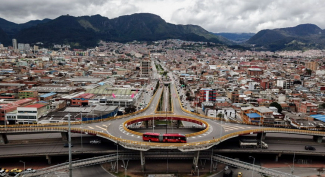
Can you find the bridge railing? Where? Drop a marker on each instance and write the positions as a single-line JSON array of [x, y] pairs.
[[144, 146], [136, 156], [207, 126], [248, 166], [75, 164]]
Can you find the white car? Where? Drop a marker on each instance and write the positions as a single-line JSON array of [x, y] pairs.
[[95, 142], [29, 170]]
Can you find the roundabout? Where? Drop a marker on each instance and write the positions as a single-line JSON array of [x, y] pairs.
[[116, 129]]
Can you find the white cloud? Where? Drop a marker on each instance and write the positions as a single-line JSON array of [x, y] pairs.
[[213, 15]]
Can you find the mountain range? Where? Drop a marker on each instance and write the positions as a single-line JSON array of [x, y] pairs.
[[301, 37], [236, 37], [87, 31]]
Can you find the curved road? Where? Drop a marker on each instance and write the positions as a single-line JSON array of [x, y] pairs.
[[216, 129]]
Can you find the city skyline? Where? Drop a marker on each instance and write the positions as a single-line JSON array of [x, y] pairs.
[[214, 16]]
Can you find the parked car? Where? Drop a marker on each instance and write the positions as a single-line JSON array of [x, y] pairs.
[[13, 173], [30, 170], [240, 174], [310, 148], [4, 170], [16, 170]]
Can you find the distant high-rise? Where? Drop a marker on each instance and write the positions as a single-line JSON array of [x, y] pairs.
[[313, 65], [14, 44], [21, 46], [145, 67]]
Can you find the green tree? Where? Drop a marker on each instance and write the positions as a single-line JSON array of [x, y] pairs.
[[277, 105], [322, 105]]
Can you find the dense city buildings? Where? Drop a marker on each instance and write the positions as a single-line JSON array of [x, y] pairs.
[[213, 80]]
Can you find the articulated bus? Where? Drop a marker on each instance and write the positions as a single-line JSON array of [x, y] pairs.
[[165, 138]]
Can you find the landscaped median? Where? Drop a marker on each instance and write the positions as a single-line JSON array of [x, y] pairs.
[[173, 117], [158, 107]]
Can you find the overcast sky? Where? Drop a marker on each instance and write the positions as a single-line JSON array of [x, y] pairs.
[[212, 15]]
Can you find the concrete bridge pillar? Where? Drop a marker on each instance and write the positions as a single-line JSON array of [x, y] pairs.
[[196, 160], [143, 161], [277, 157], [64, 136], [3, 138], [261, 136], [147, 124], [178, 123], [49, 159], [318, 139]]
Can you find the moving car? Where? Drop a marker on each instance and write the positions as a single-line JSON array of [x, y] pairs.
[[67, 145], [95, 142], [310, 148]]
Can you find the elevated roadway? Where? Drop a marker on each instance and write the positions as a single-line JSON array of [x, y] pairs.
[[115, 129]]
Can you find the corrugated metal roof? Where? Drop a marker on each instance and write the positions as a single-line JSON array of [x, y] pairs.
[[35, 106], [48, 94], [319, 117], [253, 115]]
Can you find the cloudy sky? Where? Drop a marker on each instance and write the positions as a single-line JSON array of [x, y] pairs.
[[213, 15]]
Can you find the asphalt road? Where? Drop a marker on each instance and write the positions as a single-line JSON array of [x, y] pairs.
[[55, 147], [96, 171]]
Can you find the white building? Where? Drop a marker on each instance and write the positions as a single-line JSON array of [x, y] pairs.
[[30, 113]]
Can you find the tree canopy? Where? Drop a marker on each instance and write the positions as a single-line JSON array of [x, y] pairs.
[[277, 105]]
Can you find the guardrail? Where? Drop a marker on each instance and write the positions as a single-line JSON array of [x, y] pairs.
[[207, 126], [111, 158], [79, 122], [155, 155], [248, 166], [144, 146]]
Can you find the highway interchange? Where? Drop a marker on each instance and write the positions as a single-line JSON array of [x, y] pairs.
[[115, 128]]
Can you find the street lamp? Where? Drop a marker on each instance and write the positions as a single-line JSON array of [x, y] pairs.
[[117, 157], [253, 164], [291, 169], [124, 170], [24, 164], [198, 171]]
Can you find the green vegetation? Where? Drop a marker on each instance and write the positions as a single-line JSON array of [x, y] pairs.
[[156, 88], [277, 105], [161, 100], [301, 37], [87, 31], [170, 98]]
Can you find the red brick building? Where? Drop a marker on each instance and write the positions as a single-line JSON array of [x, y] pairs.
[[307, 108], [81, 100]]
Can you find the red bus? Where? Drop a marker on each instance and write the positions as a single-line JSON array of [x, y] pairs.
[[174, 138], [166, 138], [151, 137]]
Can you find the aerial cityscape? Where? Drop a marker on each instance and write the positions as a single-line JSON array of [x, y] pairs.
[[162, 88]]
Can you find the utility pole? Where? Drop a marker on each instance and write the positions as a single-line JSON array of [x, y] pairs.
[[70, 155], [81, 131], [166, 121]]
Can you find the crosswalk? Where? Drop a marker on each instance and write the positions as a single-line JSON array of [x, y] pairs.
[[233, 127]]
